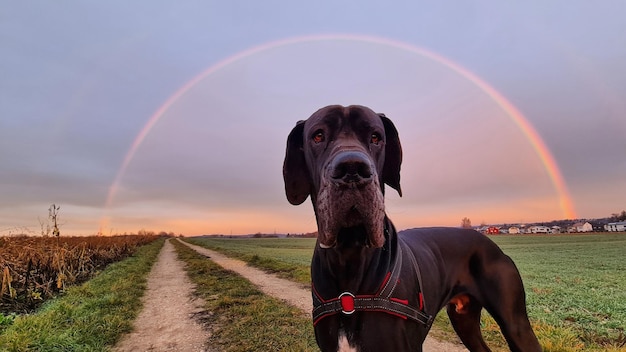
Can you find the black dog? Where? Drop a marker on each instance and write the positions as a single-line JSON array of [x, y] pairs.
[[375, 289]]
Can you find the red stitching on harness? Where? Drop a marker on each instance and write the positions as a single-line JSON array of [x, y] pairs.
[[403, 301], [318, 295], [382, 286], [322, 317]]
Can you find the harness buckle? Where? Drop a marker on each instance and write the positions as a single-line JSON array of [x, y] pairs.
[[347, 303]]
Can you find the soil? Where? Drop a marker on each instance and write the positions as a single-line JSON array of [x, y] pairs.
[[168, 320]]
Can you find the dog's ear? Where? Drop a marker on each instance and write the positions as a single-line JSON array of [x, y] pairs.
[[295, 174], [393, 155]]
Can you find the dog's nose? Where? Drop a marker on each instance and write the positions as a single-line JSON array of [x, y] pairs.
[[351, 167]]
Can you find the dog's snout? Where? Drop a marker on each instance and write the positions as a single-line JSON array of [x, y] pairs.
[[351, 167]]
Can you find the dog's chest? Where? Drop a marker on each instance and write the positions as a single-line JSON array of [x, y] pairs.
[[343, 345]]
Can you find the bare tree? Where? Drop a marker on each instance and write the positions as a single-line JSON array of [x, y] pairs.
[[466, 223], [619, 216], [53, 215], [45, 227]]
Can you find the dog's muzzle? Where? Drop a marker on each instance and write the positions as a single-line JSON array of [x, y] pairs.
[[350, 197]]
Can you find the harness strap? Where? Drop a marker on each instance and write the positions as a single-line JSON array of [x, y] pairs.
[[347, 303], [416, 269], [393, 277]]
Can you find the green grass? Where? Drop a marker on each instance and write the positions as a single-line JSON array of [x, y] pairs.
[[89, 317], [241, 317], [6, 321], [575, 284], [289, 258]]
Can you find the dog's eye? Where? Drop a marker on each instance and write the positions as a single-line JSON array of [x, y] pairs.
[[318, 137], [375, 138]]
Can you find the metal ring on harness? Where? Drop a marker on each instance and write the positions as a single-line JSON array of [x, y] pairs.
[[347, 303]]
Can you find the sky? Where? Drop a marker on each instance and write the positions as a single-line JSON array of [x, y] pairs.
[[173, 116]]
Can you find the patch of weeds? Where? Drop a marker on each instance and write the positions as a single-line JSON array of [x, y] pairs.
[[6, 321]]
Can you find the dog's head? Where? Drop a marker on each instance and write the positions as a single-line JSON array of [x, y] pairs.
[[342, 157]]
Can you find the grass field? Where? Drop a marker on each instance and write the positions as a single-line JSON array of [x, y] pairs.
[[289, 258], [575, 284], [576, 281]]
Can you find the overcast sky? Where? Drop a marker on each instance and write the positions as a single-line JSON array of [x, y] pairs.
[[224, 82]]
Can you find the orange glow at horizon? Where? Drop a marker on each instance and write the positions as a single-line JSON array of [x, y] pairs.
[[231, 223]]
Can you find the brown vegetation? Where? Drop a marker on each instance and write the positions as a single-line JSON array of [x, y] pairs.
[[37, 268]]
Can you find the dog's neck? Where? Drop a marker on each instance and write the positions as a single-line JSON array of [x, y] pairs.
[[358, 270]]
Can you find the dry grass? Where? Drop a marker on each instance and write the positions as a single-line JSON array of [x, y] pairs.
[[37, 268]]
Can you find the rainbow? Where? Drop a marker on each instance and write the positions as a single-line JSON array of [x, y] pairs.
[[516, 116]]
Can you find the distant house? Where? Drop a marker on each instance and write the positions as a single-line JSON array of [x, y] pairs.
[[492, 230], [581, 227], [598, 227], [513, 230], [616, 226], [586, 227], [540, 229]]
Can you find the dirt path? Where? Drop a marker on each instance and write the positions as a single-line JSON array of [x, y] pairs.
[[293, 293], [166, 322]]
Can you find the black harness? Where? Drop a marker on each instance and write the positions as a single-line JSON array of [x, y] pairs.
[[382, 301]]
